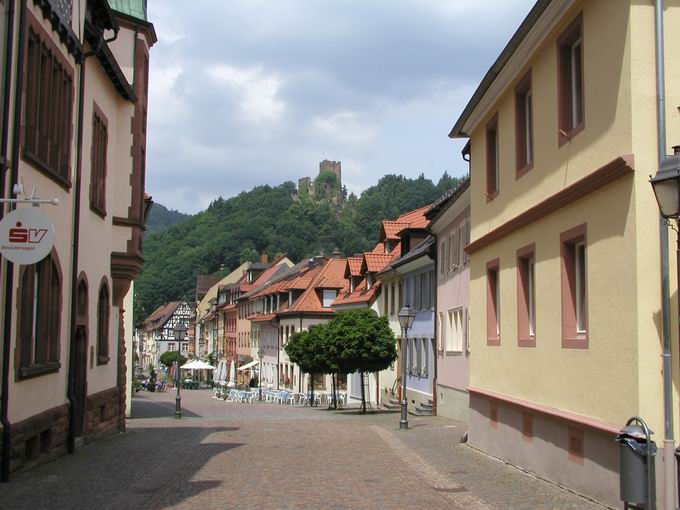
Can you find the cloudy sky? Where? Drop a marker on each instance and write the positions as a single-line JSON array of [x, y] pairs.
[[250, 92]]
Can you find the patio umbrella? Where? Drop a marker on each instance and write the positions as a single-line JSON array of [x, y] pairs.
[[197, 365], [232, 372]]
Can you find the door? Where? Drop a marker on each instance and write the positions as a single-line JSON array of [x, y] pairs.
[[80, 386]]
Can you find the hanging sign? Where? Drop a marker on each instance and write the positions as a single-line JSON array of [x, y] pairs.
[[26, 236]]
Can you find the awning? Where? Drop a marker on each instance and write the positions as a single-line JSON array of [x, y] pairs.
[[249, 365]]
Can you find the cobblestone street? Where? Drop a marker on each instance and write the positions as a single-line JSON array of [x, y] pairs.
[[227, 455]]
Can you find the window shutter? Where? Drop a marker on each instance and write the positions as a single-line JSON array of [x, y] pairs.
[[467, 237]]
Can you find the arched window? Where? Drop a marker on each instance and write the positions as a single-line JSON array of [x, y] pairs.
[[103, 325], [39, 317]]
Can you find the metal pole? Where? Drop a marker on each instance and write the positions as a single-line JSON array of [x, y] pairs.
[[178, 398], [259, 379], [669, 470], [403, 423]]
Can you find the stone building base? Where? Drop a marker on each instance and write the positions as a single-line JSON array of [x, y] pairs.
[[102, 414], [453, 403], [40, 438], [44, 437], [581, 458]]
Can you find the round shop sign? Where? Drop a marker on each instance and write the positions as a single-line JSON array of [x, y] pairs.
[[26, 236]]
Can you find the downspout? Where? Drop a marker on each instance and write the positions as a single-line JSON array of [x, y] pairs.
[[669, 473], [9, 267], [435, 384], [75, 243]]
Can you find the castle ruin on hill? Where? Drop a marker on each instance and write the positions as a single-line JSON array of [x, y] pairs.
[[326, 186]]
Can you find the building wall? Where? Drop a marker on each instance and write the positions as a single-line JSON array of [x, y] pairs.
[[453, 294], [591, 390]]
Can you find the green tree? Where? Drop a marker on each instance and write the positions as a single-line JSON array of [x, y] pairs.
[[306, 350], [359, 341], [169, 357], [248, 255]]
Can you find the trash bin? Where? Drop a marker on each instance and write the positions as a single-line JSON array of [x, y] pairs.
[[634, 473]]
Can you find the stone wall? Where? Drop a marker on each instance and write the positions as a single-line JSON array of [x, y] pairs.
[[40, 438], [101, 414]]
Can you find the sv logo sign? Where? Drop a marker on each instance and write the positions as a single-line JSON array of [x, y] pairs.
[[26, 235]]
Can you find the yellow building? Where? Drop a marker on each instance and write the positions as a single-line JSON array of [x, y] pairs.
[[565, 275]]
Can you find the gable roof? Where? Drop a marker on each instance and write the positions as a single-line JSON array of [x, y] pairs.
[[329, 276], [374, 262], [353, 267]]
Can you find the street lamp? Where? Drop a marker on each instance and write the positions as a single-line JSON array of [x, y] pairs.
[[179, 331], [406, 318], [666, 186], [260, 354]]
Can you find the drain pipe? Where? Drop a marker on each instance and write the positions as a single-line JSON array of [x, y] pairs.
[[4, 166], [75, 243], [669, 471], [9, 267]]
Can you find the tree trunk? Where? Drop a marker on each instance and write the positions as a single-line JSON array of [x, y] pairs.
[[363, 393], [335, 392], [311, 384]]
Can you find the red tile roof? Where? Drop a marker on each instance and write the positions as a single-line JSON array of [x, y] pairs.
[[353, 267], [262, 318], [329, 276], [392, 228], [163, 312], [374, 262], [416, 219]]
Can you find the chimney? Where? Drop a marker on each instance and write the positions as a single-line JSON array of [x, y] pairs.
[[336, 254], [264, 258]]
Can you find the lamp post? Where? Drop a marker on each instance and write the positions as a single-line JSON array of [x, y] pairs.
[[260, 354], [406, 318], [179, 331], [666, 186]]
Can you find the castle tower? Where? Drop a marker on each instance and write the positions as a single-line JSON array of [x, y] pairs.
[[332, 166]]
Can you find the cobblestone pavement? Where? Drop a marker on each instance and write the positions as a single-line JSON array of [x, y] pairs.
[[252, 456]]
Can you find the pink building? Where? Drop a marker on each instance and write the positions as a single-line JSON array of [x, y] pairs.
[[450, 217]]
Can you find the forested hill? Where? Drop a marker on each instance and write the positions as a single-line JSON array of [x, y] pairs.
[[161, 218], [274, 220]]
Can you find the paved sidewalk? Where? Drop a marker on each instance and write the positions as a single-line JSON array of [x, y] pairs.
[[226, 455]]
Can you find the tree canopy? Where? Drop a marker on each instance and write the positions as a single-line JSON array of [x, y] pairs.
[[275, 220], [169, 357]]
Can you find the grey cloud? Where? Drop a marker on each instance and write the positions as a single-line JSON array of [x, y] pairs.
[[376, 84]]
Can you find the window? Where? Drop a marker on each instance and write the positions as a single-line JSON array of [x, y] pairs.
[[493, 319], [425, 357], [570, 81], [171, 346], [98, 162], [386, 300], [524, 126], [392, 298], [49, 92], [442, 331], [492, 159], [456, 337], [442, 258], [369, 280], [103, 326], [526, 297], [574, 288], [425, 290], [39, 317], [417, 291], [453, 251], [419, 356]]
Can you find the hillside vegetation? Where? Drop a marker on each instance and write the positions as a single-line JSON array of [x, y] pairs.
[[275, 220], [161, 218]]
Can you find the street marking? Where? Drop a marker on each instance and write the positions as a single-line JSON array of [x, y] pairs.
[[439, 481]]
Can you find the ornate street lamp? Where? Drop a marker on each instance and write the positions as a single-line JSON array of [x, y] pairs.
[[666, 186], [179, 331], [406, 318], [260, 354]]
